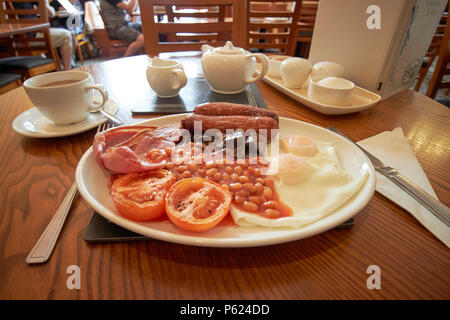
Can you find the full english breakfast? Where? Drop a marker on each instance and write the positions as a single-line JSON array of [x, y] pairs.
[[178, 172]]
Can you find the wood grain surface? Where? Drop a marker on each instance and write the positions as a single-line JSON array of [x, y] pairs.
[[35, 174], [11, 29]]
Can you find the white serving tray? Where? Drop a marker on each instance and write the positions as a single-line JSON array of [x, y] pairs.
[[360, 99]]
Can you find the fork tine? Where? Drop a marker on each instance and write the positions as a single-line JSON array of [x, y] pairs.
[[104, 126]]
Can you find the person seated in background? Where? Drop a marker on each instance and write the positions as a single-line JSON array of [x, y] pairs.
[[114, 15], [61, 38], [66, 22]]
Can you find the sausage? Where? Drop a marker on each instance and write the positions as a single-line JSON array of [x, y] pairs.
[[232, 109], [229, 122]]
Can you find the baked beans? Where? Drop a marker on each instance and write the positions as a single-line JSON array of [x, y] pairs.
[[271, 213], [217, 176], [238, 170], [243, 179], [251, 191], [211, 172], [250, 187], [229, 170], [250, 206], [235, 177], [267, 193]]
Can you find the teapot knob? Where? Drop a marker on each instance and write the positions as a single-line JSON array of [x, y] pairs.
[[229, 45]]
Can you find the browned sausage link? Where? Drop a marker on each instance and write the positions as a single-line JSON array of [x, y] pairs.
[[232, 109], [229, 122]]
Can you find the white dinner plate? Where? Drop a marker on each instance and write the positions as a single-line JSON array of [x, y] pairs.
[[360, 99], [92, 182], [32, 123]]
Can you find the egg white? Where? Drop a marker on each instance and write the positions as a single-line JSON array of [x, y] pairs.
[[325, 190]]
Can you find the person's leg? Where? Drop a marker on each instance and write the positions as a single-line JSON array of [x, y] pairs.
[[135, 46], [66, 55], [131, 33], [62, 40]]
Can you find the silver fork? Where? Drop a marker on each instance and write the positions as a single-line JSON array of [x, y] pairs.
[[44, 246]]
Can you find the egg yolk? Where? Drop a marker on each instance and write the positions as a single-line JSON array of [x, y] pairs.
[[292, 169], [299, 145]]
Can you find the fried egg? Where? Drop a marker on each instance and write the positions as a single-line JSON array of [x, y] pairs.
[[312, 184]]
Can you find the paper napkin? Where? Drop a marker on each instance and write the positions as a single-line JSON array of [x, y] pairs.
[[393, 149]]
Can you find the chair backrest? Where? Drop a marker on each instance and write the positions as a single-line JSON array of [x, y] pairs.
[[272, 25], [307, 17], [11, 11], [442, 65], [188, 24]]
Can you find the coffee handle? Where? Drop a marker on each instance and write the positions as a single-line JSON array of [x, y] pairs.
[[100, 88]]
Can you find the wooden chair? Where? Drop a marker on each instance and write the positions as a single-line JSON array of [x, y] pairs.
[[31, 45], [82, 41], [109, 48], [432, 52], [442, 65], [305, 26], [272, 26], [9, 81], [190, 23]]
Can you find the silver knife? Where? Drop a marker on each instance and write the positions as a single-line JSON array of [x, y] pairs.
[[436, 207]]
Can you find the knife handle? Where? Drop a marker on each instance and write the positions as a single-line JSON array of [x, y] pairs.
[[436, 207]]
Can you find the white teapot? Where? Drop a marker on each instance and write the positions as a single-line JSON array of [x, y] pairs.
[[229, 69]]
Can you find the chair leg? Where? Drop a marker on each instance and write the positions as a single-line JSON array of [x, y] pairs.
[[80, 54], [89, 51], [420, 78]]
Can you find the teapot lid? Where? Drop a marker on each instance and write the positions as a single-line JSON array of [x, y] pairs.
[[228, 48]]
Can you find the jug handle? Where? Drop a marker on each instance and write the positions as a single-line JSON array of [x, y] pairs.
[[265, 65], [180, 77]]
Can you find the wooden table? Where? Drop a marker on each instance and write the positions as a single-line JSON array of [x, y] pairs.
[[36, 174], [12, 29]]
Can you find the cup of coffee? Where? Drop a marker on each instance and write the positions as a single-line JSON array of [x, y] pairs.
[[64, 97]]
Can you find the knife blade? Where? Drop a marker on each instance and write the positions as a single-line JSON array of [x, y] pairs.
[[440, 210]]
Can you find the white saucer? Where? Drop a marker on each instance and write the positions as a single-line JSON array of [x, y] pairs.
[[32, 123]]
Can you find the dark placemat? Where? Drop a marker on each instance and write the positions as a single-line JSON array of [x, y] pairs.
[[101, 230], [197, 92]]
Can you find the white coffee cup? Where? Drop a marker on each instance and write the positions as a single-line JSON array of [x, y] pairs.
[[275, 65], [331, 91], [64, 97], [166, 77], [295, 71]]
